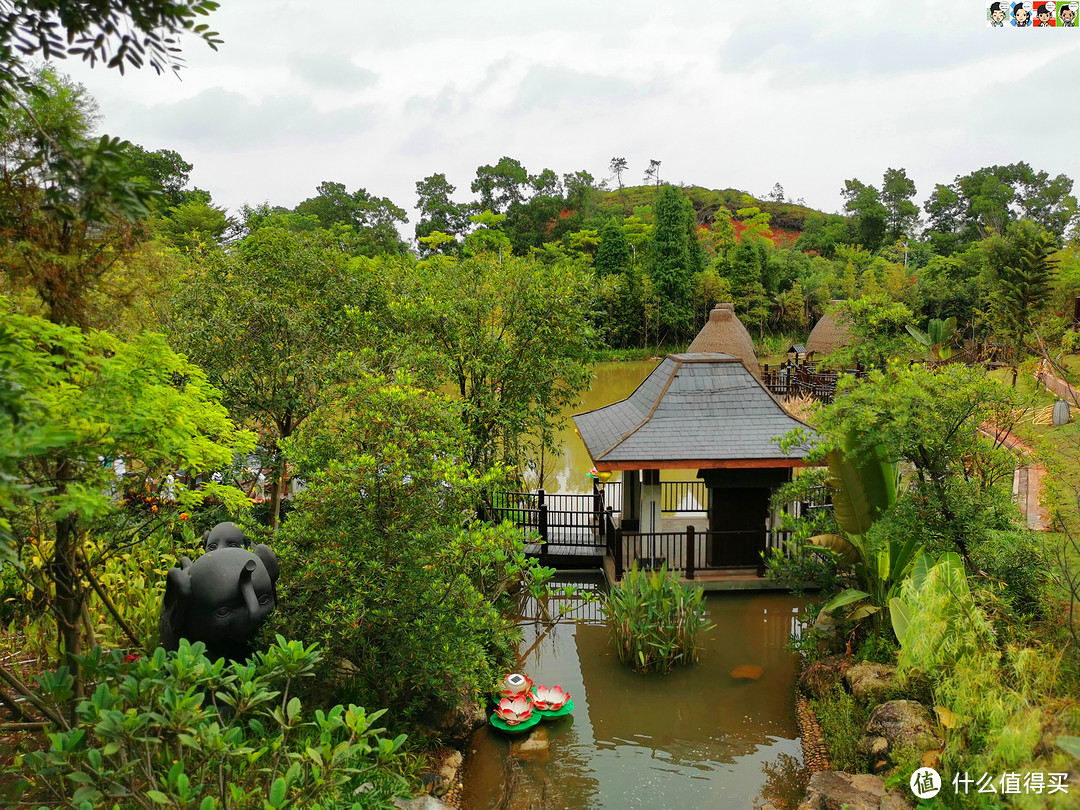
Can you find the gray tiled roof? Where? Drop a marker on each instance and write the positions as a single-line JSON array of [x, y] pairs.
[[694, 406]]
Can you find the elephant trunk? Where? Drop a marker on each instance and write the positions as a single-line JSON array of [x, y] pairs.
[[251, 601]]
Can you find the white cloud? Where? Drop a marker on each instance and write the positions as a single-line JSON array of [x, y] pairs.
[[382, 94]]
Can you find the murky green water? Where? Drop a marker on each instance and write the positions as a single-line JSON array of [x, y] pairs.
[[696, 738]]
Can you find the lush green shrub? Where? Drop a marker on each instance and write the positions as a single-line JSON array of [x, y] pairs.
[[843, 724], [802, 562], [178, 730], [1014, 564], [383, 563], [878, 645], [655, 620]]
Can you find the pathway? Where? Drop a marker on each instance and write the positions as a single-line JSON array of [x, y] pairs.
[[1027, 480], [1056, 385]]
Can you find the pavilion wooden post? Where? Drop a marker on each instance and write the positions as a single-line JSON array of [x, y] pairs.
[[618, 555], [690, 552], [542, 525]]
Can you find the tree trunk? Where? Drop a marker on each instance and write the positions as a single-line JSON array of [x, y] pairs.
[[277, 484], [69, 598]]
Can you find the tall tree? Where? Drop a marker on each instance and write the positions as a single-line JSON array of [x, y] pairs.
[[500, 186], [93, 396], [652, 173], [60, 241], [509, 334], [269, 321], [1025, 265], [670, 263], [166, 170], [615, 253], [986, 201], [371, 219], [902, 214], [618, 165], [869, 215], [438, 211]]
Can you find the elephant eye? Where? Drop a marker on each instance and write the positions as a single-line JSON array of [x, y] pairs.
[[223, 613], [211, 547], [264, 599]]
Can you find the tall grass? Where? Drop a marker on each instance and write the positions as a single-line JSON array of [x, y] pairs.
[[655, 620]]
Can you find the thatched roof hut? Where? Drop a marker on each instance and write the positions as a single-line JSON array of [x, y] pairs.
[[828, 334], [724, 333]]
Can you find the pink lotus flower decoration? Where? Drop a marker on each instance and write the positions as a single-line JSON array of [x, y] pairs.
[[514, 710], [550, 698], [516, 684]]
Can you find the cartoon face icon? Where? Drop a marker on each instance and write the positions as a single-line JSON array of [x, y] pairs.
[[1044, 16], [1021, 16], [1068, 15], [998, 13]]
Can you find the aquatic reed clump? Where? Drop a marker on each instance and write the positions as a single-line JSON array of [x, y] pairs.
[[655, 620]]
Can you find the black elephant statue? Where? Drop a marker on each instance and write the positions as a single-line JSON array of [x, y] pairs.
[[224, 535], [221, 599]]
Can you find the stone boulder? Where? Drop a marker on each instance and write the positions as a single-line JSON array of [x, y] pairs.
[[456, 725], [899, 725], [421, 803], [834, 790], [871, 683], [819, 677]]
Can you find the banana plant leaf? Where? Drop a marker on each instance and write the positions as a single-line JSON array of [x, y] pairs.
[[846, 552], [900, 614], [845, 598], [862, 611], [860, 492]]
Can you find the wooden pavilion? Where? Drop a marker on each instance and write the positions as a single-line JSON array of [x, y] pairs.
[[705, 411]]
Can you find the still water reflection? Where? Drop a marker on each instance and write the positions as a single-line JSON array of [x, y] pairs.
[[696, 738]]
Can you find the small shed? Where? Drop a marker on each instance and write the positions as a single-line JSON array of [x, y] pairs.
[[828, 334], [724, 333], [704, 411]]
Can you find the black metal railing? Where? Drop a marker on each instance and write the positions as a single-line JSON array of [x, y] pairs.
[[684, 497], [691, 551]]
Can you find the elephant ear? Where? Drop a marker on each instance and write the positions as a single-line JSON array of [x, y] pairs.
[[175, 605], [269, 559]]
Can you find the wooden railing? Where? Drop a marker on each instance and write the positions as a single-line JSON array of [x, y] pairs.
[[790, 379]]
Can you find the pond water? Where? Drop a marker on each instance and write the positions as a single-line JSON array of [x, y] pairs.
[[695, 738]]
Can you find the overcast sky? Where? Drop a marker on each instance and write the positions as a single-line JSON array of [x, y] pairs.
[[381, 93]]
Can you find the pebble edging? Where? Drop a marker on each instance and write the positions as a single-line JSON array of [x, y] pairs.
[[815, 756]]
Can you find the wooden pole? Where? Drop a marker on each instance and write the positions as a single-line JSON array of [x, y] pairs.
[[690, 552]]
